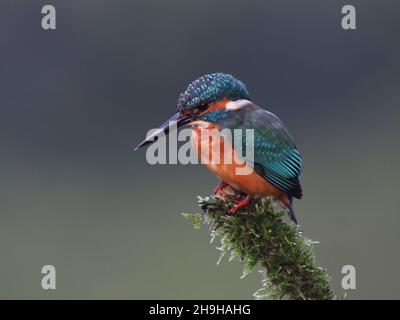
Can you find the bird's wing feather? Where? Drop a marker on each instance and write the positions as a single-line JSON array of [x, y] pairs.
[[276, 158]]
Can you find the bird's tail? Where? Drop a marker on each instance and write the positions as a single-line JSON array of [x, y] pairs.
[[292, 215], [288, 205]]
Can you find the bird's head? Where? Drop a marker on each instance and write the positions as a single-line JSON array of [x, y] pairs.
[[207, 99]]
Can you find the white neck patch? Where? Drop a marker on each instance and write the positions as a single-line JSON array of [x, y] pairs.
[[238, 104]]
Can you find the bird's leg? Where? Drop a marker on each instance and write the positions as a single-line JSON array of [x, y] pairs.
[[220, 187], [241, 203]]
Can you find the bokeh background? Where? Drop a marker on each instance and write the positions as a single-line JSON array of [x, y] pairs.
[[75, 101]]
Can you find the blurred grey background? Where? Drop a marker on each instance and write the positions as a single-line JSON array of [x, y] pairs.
[[75, 101]]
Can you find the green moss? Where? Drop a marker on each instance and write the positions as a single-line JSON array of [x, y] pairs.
[[258, 236], [195, 218]]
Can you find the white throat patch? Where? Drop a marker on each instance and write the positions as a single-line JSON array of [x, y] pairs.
[[238, 104]]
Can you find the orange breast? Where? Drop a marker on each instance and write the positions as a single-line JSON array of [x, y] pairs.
[[208, 145]]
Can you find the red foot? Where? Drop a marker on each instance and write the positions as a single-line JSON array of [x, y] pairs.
[[220, 187], [241, 203]]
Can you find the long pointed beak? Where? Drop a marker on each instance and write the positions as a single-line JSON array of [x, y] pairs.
[[177, 118]]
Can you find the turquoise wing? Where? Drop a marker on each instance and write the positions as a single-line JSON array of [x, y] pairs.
[[276, 157]]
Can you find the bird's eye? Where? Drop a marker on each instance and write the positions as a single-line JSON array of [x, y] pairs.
[[200, 108]]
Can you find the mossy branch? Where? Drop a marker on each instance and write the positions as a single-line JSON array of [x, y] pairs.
[[258, 236]]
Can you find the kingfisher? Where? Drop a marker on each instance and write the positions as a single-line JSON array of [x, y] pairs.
[[220, 101]]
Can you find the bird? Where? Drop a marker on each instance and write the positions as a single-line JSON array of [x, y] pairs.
[[219, 101]]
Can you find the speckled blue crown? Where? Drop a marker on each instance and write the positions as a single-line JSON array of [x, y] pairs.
[[210, 88]]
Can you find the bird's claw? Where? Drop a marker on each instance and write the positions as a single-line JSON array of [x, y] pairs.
[[241, 203], [220, 187]]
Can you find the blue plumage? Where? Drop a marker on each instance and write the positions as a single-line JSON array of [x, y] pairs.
[[276, 157], [210, 88]]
